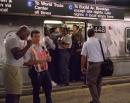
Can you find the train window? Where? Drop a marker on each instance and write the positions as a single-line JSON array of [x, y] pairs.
[[127, 32]]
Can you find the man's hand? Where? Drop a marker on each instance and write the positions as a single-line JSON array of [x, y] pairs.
[[83, 70], [29, 43], [83, 61], [39, 62], [48, 57]]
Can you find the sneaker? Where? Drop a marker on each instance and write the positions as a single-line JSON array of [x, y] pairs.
[[53, 83]]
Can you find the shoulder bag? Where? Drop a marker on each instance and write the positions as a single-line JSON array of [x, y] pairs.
[[106, 66]]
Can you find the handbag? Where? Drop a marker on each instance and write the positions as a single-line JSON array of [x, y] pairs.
[[106, 66]]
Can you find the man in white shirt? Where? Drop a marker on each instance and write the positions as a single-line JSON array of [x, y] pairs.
[[91, 52], [15, 51]]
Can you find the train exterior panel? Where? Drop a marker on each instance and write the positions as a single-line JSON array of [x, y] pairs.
[[116, 38]]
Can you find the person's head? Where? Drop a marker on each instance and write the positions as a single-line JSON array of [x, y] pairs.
[[65, 31], [46, 32], [35, 36], [91, 33], [23, 32], [52, 30], [57, 30], [75, 28]]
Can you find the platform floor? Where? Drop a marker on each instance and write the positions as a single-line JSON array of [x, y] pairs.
[[119, 93]]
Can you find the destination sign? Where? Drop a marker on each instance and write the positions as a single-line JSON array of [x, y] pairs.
[[5, 5], [60, 9]]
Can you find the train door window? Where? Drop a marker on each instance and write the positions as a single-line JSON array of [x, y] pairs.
[[81, 25], [127, 32], [69, 24]]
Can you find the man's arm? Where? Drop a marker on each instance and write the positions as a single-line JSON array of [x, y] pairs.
[[18, 53], [83, 62], [49, 43], [48, 58]]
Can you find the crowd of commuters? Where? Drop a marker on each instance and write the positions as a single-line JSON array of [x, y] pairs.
[[64, 47], [58, 61]]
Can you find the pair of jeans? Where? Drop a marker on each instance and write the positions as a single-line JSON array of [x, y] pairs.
[[12, 98], [38, 80], [63, 64]]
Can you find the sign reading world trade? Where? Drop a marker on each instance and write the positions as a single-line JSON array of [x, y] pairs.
[[52, 8]]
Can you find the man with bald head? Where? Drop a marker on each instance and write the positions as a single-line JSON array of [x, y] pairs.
[[15, 51]]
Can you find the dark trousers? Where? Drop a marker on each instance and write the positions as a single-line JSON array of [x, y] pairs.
[[75, 71], [12, 98], [63, 64], [41, 79], [94, 81], [55, 58], [52, 68]]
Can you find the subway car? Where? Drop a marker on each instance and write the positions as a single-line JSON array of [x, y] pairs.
[[113, 30]]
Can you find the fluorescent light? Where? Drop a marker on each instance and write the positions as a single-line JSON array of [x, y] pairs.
[[52, 22], [75, 17], [74, 22], [126, 19], [112, 19]]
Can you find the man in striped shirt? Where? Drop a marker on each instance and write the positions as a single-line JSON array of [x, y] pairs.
[[36, 59]]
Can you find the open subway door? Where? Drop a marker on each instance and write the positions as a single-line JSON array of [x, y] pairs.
[[68, 24]]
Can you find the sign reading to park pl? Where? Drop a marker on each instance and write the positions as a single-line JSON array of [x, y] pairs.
[[52, 8]]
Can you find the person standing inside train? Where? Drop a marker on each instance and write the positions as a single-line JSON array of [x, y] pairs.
[[15, 52], [50, 46], [36, 59], [55, 33], [64, 44], [77, 40], [91, 52]]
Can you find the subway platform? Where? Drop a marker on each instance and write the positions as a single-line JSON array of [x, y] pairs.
[[115, 90]]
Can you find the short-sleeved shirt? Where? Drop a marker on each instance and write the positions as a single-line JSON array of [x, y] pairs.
[[41, 53], [12, 42], [91, 49]]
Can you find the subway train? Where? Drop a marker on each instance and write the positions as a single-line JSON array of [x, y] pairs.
[[114, 32], [116, 36]]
